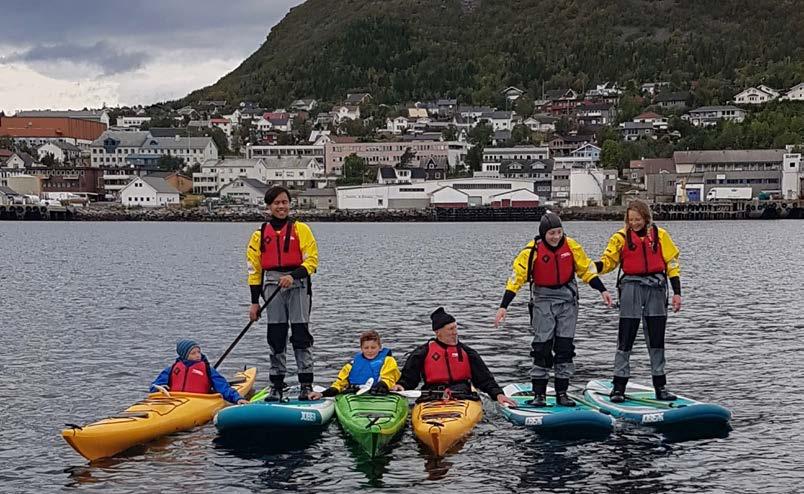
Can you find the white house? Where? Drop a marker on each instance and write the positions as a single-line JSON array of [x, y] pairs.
[[129, 122], [397, 125], [224, 124], [19, 160], [246, 190], [149, 192], [215, 174], [278, 121], [292, 172], [707, 116], [796, 93], [541, 123], [605, 90], [289, 171], [512, 93], [391, 175], [63, 152], [320, 137], [657, 121], [346, 112], [587, 151], [499, 120], [756, 96], [234, 117], [304, 104]]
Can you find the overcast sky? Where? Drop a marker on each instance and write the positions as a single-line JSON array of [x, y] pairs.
[[62, 54]]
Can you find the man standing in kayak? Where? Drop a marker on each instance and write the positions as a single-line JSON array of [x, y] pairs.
[[549, 264], [283, 253], [446, 364]]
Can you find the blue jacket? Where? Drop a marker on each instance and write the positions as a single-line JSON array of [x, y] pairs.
[[363, 368], [219, 383]]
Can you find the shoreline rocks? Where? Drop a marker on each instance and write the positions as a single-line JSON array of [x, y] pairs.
[[254, 214]]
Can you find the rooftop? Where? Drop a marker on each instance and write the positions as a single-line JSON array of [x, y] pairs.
[[161, 186]]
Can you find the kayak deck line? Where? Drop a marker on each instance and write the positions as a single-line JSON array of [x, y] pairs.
[[441, 415], [646, 401]]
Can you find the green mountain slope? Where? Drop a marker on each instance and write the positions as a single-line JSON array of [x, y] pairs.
[[403, 50]]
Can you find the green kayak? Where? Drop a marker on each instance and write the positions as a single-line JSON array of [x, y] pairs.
[[372, 420]]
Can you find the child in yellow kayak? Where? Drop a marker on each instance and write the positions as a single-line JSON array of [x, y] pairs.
[[191, 373], [372, 362]]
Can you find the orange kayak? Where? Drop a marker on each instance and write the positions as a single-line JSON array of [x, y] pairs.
[[440, 424], [155, 416]]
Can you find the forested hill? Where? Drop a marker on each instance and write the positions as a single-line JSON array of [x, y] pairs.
[[401, 50]]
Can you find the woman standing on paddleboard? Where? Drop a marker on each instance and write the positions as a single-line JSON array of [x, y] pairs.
[[549, 264], [283, 253], [648, 258]]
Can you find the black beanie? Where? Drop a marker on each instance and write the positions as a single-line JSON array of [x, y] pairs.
[[548, 222], [441, 318]]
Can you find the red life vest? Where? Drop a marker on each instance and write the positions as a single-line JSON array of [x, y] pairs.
[[642, 255], [190, 379], [280, 251], [448, 365], [552, 268]]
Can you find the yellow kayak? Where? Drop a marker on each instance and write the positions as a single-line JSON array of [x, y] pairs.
[[155, 416], [440, 424]]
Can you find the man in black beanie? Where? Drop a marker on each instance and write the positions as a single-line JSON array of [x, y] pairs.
[[549, 264], [444, 362]]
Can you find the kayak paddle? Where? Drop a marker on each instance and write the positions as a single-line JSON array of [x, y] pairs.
[[240, 336]]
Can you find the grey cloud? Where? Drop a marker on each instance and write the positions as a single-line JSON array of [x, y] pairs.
[[234, 28], [102, 54]]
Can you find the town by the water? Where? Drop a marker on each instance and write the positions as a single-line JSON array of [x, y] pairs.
[[441, 159]]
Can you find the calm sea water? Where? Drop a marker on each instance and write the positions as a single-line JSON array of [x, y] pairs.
[[90, 312]]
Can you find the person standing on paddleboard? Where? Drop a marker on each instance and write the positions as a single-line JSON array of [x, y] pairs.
[[647, 258], [283, 253], [549, 264]]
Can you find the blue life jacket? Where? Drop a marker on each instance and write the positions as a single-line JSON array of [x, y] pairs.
[[363, 368]]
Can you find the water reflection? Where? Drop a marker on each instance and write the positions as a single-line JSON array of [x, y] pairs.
[[252, 444]]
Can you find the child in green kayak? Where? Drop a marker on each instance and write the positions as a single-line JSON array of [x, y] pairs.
[[371, 362], [191, 373]]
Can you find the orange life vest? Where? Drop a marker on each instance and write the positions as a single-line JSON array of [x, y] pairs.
[[642, 256], [280, 251], [190, 379], [446, 364], [552, 268]]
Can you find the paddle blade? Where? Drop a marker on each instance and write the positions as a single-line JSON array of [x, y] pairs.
[[365, 387]]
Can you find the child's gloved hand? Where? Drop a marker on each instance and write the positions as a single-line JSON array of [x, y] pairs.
[[379, 389]]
